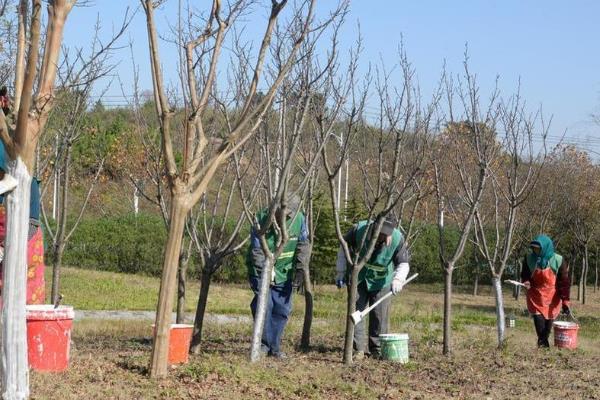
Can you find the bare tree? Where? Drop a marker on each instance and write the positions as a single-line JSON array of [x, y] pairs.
[[77, 77], [596, 270], [574, 216], [216, 228], [280, 143], [309, 152], [32, 107], [188, 182], [585, 219], [391, 157], [514, 175], [461, 166], [147, 176], [8, 27]]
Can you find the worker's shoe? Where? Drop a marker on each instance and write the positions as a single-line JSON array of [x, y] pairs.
[[280, 355], [359, 355], [375, 355]]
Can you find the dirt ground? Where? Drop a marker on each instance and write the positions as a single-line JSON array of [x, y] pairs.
[[109, 361]]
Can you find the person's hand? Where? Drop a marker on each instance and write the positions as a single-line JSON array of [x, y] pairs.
[[397, 285], [566, 310], [527, 285], [298, 279]]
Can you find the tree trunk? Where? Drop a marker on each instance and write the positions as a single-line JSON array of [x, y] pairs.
[[572, 268], [59, 240], [476, 283], [581, 273], [59, 250], [447, 308], [177, 216], [596, 272], [308, 310], [184, 259], [584, 273], [205, 280], [261, 309], [351, 307], [14, 369], [500, 321]]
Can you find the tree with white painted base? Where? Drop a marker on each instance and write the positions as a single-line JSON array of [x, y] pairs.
[[32, 106]]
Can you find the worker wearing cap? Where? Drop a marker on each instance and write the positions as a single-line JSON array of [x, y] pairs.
[[545, 274], [386, 268], [287, 273]]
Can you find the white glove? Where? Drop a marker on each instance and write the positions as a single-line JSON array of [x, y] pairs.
[[400, 274], [397, 285]]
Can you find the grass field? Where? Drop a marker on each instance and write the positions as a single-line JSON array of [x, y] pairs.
[[109, 359]]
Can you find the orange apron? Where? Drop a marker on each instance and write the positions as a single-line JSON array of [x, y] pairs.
[[36, 291], [543, 297]]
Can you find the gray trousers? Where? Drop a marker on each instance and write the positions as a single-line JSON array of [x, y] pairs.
[[378, 318]]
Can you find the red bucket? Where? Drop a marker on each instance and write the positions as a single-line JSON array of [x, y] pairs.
[[179, 343], [48, 337], [565, 334]]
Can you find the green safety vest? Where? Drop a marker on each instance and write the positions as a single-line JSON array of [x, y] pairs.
[[378, 271], [554, 263], [285, 262]]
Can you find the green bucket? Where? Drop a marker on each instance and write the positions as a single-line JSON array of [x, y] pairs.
[[394, 347]]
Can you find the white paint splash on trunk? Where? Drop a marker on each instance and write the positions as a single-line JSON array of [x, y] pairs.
[[500, 322], [261, 309], [14, 367]]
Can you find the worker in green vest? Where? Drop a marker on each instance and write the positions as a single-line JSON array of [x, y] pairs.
[[287, 273], [386, 269]]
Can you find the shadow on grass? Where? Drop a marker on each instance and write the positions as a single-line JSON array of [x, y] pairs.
[[143, 341], [133, 366], [321, 348]]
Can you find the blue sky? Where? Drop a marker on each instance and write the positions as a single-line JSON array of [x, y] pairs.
[[552, 46]]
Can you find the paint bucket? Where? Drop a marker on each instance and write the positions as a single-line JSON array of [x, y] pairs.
[[394, 347], [565, 334], [511, 321], [179, 343], [48, 336]]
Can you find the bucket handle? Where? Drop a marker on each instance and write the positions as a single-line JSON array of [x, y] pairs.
[[567, 317]]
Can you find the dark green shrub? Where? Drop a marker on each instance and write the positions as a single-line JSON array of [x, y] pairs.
[[127, 243]]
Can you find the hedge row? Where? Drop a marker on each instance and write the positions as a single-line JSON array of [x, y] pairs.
[[134, 244]]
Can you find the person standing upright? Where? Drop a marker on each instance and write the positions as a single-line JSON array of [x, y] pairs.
[[545, 274]]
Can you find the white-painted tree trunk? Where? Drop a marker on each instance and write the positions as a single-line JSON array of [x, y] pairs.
[[261, 309], [136, 201], [500, 322], [14, 368]]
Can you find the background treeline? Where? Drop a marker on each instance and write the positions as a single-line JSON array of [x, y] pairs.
[[110, 236]]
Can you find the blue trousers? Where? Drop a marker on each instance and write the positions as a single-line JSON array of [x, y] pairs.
[[279, 306]]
